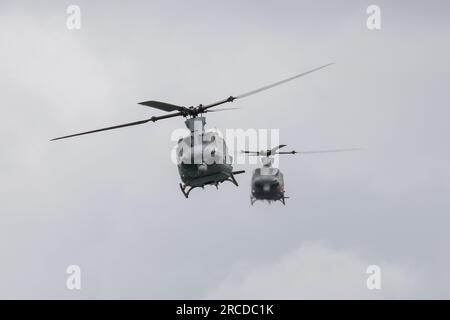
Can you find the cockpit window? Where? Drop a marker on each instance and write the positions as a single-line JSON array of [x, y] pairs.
[[269, 171]]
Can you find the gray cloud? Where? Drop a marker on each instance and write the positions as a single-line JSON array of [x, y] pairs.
[[315, 271]]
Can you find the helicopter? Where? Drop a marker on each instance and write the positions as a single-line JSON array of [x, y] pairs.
[[268, 182], [202, 157]]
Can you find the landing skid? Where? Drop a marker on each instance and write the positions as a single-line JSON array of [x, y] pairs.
[[282, 200], [183, 189], [231, 178]]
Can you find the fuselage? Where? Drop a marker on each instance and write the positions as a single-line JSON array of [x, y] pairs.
[[267, 184], [202, 157]]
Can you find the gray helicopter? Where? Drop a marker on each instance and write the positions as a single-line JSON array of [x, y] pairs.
[[202, 156], [268, 182]]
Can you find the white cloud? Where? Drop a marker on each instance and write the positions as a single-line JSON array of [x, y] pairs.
[[315, 271]]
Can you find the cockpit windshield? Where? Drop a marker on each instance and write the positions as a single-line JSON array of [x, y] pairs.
[[267, 171]]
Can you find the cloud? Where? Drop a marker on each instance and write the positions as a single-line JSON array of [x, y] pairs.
[[316, 271]]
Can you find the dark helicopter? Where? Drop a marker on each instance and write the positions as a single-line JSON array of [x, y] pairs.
[[268, 182], [202, 156]]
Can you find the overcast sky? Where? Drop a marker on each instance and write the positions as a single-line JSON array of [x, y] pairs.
[[111, 203]]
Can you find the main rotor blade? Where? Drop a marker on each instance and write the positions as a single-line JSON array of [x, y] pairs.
[[266, 153], [103, 129], [252, 153], [223, 109], [317, 151], [280, 82], [162, 106], [232, 98], [153, 119], [272, 151]]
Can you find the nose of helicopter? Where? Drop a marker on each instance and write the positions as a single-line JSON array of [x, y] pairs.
[[202, 168], [266, 185]]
